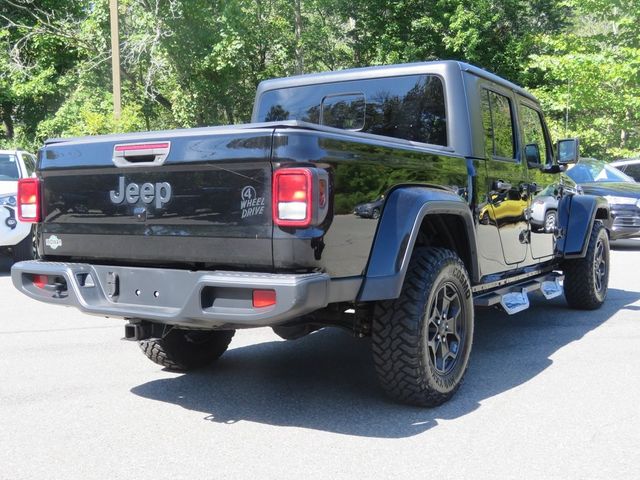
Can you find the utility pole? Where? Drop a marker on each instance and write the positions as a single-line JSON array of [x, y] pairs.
[[115, 59], [298, 34]]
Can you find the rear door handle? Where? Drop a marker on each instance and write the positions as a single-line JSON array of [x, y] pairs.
[[501, 186]]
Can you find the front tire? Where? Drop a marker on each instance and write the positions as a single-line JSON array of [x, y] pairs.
[[586, 280], [422, 340], [183, 350]]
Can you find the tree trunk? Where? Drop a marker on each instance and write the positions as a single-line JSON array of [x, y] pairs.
[[298, 31], [6, 112]]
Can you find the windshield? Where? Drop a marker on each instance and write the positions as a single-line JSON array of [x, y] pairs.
[[9, 168], [596, 171]]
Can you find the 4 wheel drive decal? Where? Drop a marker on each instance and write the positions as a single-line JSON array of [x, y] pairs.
[[251, 204]]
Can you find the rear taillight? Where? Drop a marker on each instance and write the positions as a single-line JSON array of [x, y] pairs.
[[29, 200], [292, 197]]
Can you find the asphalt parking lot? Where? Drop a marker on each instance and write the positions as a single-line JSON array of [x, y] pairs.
[[551, 393]]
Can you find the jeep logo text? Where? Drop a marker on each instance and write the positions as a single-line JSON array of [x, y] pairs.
[[147, 192]]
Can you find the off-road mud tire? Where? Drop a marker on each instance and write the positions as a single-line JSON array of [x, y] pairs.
[[402, 352], [585, 283]]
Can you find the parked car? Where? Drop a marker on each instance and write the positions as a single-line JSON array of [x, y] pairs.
[[621, 191], [544, 208], [16, 237], [628, 166], [370, 209]]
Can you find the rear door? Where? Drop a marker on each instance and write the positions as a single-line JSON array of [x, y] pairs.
[[506, 200], [198, 196]]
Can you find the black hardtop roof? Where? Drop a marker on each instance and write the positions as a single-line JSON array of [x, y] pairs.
[[442, 66]]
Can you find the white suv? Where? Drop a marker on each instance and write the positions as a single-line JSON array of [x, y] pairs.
[[16, 237]]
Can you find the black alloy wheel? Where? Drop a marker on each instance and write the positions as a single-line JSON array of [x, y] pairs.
[[445, 332]]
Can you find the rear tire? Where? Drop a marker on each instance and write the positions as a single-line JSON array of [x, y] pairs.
[[25, 250], [422, 340], [587, 279], [183, 350]]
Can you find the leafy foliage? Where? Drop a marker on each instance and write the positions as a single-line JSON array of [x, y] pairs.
[[197, 62]]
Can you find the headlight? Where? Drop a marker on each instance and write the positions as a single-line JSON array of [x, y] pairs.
[[638, 203], [8, 200], [620, 200]]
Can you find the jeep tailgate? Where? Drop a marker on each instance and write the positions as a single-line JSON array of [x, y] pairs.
[[197, 197]]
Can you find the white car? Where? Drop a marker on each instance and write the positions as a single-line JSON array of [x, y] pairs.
[[16, 237]]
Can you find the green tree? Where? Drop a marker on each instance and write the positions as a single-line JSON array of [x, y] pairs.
[[591, 77]]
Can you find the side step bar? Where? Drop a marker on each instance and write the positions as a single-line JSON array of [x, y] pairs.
[[515, 298]]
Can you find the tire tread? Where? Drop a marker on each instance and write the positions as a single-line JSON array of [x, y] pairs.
[[397, 331], [579, 294]]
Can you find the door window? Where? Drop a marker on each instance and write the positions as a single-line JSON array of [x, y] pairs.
[[533, 134], [497, 120]]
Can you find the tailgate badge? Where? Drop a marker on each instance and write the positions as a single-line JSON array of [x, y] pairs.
[[148, 193], [53, 242]]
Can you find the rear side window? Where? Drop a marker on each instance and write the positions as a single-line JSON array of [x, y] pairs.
[[497, 120], [409, 107]]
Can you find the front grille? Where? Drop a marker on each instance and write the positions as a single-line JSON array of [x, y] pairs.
[[625, 215], [626, 222]]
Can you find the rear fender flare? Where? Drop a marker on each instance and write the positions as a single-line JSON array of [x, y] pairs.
[[402, 216]]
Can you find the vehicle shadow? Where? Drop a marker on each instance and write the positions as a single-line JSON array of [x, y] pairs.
[[5, 267], [326, 381]]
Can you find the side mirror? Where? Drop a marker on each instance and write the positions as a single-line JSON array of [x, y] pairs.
[[532, 154], [568, 151]]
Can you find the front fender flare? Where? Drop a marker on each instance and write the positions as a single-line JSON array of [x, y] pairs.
[[576, 214], [397, 233]]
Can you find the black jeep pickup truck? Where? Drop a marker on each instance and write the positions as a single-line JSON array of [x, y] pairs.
[[192, 234]]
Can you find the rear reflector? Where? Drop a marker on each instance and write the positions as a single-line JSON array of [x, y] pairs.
[[40, 281], [29, 200], [264, 298], [292, 197]]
